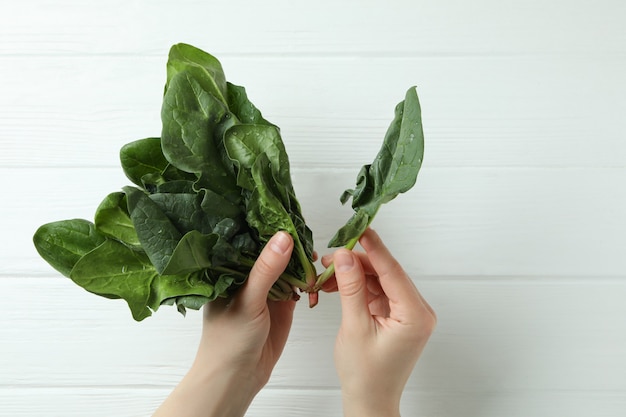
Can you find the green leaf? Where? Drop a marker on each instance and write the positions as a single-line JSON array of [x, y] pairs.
[[190, 287], [112, 220], [184, 211], [114, 270], [265, 211], [244, 144], [242, 107], [157, 234], [64, 242], [204, 66], [193, 253], [393, 171], [355, 227], [191, 138], [267, 215], [142, 157]]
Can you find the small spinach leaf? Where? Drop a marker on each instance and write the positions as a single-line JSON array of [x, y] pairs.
[[393, 171]]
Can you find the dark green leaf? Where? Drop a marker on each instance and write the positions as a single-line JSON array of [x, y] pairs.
[[242, 107], [184, 211], [157, 234], [193, 253], [393, 171]]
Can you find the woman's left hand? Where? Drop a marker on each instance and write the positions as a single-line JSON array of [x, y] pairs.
[[242, 339]]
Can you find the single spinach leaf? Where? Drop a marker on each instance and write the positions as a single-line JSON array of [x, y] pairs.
[[215, 205], [267, 215], [244, 144], [142, 157], [113, 220], [193, 253], [204, 66], [393, 171], [190, 286], [242, 107], [185, 212], [114, 270], [157, 234], [63, 243], [265, 211], [190, 118]]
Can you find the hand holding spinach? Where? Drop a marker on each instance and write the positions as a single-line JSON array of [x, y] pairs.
[[208, 195]]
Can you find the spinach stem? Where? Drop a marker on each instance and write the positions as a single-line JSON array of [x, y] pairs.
[[330, 271]]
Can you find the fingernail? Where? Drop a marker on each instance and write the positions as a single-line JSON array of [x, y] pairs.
[[280, 243], [344, 261]]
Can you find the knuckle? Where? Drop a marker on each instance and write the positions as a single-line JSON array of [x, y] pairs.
[[349, 287], [393, 270], [263, 267]]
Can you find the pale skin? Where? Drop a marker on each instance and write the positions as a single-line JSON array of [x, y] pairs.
[[385, 325]]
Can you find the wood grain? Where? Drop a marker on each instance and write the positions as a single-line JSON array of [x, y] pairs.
[[515, 231], [478, 112]]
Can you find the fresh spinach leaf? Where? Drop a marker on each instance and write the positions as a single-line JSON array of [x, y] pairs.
[[157, 234], [393, 171], [190, 116], [203, 66], [63, 243], [114, 270], [113, 220], [142, 157], [242, 107]]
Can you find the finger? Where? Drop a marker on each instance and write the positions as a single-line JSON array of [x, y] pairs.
[[327, 259], [269, 265], [394, 281], [352, 288], [330, 285]]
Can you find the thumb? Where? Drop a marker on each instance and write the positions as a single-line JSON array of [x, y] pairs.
[[269, 265], [352, 289]]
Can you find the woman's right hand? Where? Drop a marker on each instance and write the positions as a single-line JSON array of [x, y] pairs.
[[384, 328]]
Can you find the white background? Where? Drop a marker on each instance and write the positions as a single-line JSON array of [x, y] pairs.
[[515, 231]]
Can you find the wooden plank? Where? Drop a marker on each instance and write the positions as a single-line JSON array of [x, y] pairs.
[[521, 112], [325, 27], [460, 221], [499, 336], [79, 402]]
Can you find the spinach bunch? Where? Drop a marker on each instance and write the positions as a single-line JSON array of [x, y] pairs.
[[208, 195]]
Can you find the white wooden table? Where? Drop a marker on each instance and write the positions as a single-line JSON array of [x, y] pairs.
[[515, 231]]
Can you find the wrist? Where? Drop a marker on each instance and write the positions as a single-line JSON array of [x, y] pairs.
[[226, 391], [369, 406], [209, 392]]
